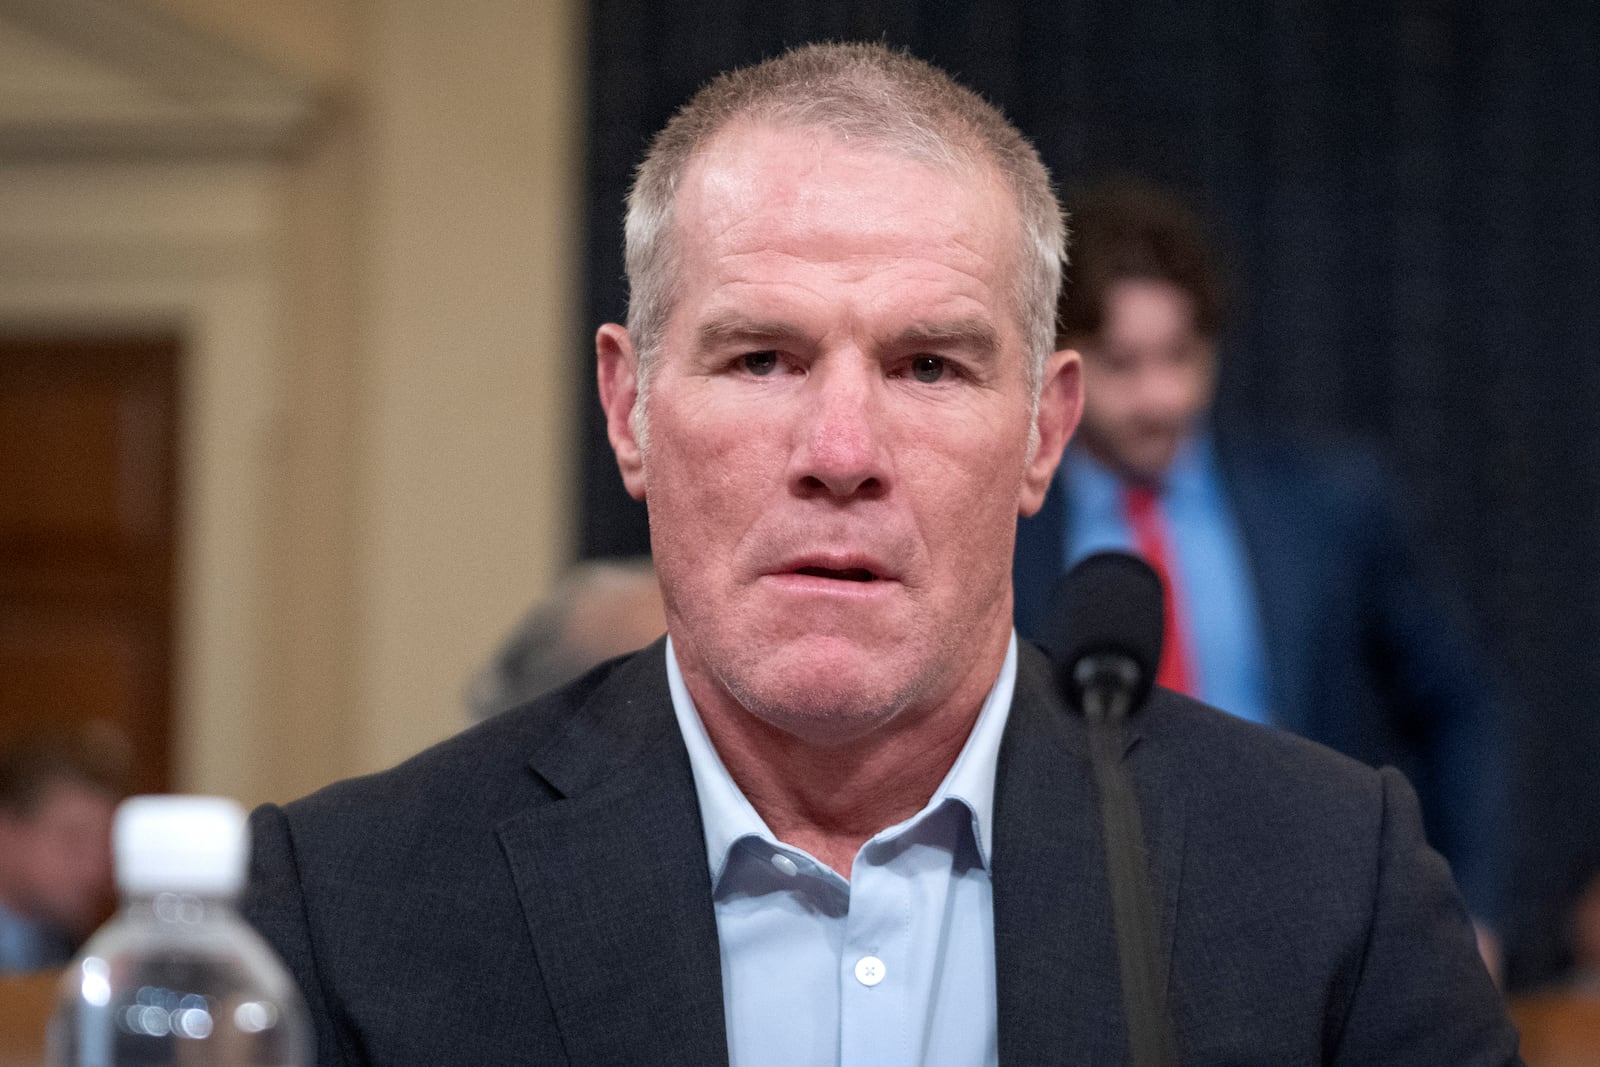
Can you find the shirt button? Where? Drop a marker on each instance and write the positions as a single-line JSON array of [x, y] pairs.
[[785, 864], [869, 970]]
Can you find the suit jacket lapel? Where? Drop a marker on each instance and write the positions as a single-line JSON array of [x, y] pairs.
[[614, 883], [1277, 547], [1058, 982]]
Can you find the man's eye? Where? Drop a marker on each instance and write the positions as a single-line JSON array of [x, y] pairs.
[[927, 368], [760, 364]]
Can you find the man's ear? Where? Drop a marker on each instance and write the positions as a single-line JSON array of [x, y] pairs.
[[618, 370], [1060, 407]]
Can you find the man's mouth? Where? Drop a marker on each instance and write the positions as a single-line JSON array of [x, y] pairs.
[[849, 574]]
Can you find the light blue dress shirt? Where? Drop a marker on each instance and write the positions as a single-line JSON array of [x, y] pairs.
[[894, 966], [1213, 571]]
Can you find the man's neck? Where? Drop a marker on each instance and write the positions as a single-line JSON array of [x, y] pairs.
[[830, 799]]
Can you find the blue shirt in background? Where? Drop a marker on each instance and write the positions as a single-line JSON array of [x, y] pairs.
[[894, 966], [1206, 551]]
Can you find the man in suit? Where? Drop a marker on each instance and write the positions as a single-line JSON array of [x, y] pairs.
[[840, 814], [1297, 595]]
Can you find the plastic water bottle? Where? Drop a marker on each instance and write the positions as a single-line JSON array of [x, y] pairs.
[[176, 977]]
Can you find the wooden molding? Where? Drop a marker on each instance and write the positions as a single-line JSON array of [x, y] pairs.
[[109, 77]]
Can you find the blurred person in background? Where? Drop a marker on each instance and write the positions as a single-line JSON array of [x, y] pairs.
[[599, 609], [57, 796], [1298, 595]]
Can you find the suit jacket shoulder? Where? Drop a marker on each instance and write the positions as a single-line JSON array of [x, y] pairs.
[[1303, 917], [531, 890]]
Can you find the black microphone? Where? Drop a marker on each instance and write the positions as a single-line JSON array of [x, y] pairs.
[[1106, 626], [1107, 634]]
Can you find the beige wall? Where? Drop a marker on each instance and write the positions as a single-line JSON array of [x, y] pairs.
[[382, 344], [472, 288]]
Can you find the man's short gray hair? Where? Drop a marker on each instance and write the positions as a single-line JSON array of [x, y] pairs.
[[868, 94]]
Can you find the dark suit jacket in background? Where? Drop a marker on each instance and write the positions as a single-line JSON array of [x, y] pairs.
[[1366, 653], [536, 891]]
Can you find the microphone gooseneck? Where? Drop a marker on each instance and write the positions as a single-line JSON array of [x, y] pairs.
[[1106, 644]]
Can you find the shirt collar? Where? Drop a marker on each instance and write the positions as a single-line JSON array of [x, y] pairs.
[[728, 816]]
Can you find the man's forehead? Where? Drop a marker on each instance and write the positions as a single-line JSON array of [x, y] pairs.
[[761, 186], [768, 201], [733, 159]]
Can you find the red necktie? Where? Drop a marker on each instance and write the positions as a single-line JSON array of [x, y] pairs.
[[1150, 537]]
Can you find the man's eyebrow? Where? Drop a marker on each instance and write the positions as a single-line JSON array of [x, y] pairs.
[[726, 330], [972, 335]]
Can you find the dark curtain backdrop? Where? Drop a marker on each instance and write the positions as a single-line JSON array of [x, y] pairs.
[[1409, 196]]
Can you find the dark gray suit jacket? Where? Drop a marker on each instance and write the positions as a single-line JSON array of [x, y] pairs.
[[536, 891]]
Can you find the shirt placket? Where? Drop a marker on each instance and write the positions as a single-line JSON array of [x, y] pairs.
[[876, 967]]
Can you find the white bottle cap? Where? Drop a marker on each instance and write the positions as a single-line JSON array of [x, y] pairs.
[[180, 844]]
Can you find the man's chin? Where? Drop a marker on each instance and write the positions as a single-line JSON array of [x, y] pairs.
[[824, 726], [825, 704]]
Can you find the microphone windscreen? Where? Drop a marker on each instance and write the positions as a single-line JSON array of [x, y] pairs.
[[1109, 603]]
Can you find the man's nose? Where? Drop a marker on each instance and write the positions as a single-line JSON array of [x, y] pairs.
[[840, 437]]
